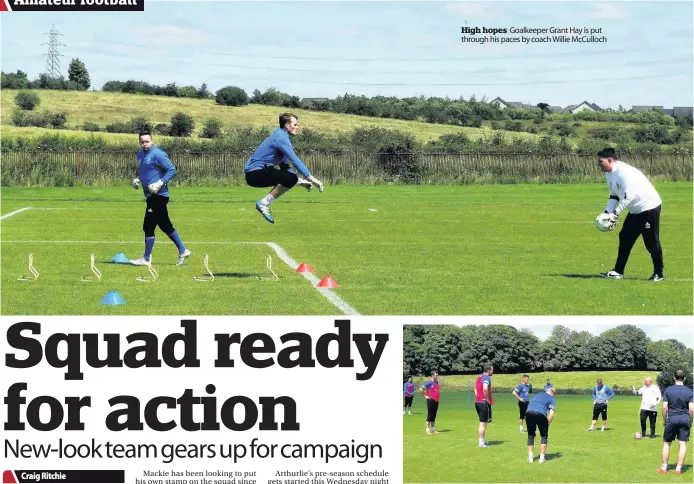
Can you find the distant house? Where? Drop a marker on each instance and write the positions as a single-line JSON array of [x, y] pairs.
[[669, 112], [501, 104], [682, 111], [554, 109], [584, 106], [637, 109], [307, 101]]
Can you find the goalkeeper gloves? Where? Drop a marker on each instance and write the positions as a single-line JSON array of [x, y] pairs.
[[613, 220], [136, 183], [155, 187], [316, 182]]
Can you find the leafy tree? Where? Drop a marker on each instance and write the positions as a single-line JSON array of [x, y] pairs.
[[14, 80], [231, 96], [181, 125], [212, 128], [27, 100], [77, 72]]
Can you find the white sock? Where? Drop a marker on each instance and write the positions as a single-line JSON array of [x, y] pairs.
[[521, 428], [678, 468], [267, 200], [664, 467], [530, 455], [542, 456], [481, 440]]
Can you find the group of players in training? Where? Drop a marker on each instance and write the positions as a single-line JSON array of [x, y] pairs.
[[538, 412], [269, 167]]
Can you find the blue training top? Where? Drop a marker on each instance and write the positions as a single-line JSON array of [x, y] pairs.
[[154, 166], [523, 391], [678, 398], [602, 394], [274, 150], [542, 403]]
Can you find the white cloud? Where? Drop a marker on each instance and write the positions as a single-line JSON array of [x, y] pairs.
[[606, 11], [171, 35], [471, 9]]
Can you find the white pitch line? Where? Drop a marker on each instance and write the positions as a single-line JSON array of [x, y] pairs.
[[8, 215], [333, 298]]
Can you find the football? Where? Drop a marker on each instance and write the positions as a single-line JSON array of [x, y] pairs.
[[602, 222], [638, 436]]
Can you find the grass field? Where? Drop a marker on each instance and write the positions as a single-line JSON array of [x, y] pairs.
[[573, 455], [108, 107], [560, 380], [394, 250]]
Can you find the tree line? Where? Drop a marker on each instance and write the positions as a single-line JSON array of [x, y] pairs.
[[466, 350]]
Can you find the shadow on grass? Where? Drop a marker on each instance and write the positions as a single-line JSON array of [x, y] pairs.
[[236, 275], [496, 442], [577, 276], [556, 455]]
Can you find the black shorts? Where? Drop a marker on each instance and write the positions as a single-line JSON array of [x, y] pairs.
[[537, 421], [270, 177], [600, 409], [484, 411], [432, 409], [408, 401], [677, 428], [522, 407]]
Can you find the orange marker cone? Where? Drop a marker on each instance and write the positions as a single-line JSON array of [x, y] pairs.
[[304, 267], [327, 281]]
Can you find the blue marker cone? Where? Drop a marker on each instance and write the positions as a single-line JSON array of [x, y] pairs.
[[112, 298], [121, 258]]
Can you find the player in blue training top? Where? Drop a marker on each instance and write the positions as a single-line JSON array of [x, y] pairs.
[[522, 393], [601, 395], [678, 410], [154, 172], [276, 150], [539, 415], [408, 391]]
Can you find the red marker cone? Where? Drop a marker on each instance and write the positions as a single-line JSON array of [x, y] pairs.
[[304, 267], [327, 281]]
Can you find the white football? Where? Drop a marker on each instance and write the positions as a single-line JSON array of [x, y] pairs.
[[602, 222]]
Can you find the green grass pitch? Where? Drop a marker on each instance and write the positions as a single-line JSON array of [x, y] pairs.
[[573, 454], [394, 250]]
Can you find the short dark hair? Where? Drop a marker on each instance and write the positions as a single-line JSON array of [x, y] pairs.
[[487, 368], [286, 117], [434, 372], [679, 375], [607, 153], [144, 133], [598, 380], [525, 376]]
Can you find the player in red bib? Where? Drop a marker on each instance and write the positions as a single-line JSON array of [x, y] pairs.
[[431, 391], [483, 403]]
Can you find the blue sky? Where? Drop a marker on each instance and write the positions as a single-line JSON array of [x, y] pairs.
[[325, 49]]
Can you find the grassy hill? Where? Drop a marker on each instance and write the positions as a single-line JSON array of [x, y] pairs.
[[561, 380], [107, 107]]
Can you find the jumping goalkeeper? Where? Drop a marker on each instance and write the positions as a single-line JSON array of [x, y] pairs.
[[276, 150]]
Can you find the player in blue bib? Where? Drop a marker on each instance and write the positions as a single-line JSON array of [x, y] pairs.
[[522, 393], [539, 415], [678, 410]]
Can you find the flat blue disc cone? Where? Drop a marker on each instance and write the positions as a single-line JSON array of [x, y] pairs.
[[112, 298], [121, 258]]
